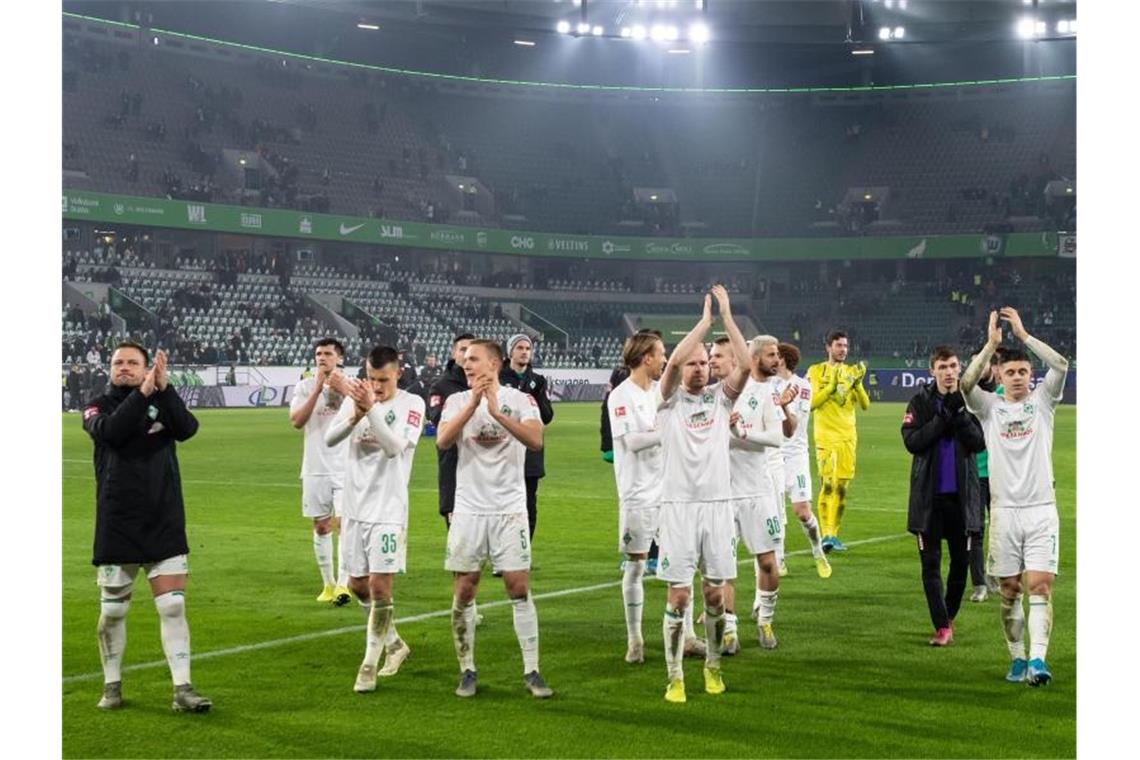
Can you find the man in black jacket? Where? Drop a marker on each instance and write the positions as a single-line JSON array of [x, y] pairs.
[[518, 373], [945, 497], [140, 520], [453, 381]]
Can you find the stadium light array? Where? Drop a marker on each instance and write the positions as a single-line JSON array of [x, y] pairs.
[[524, 43], [863, 51], [699, 33], [676, 51], [886, 33], [369, 27], [597, 31], [657, 32], [626, 32], [638, 32], [672, 33], [583, 28], [1025, 28], [899, 33], [563, 27]]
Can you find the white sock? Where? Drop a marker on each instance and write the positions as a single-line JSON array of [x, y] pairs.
[[714, 633], [1040, 624], [392, 637], [729, 623], [526, 629], [687, 622], [463, 633], [1013, 625], [379, 622], [322, 548], [811, 530], [175, 630], [756, 583], [633, 594], [673, 629], [766, 609], [341, 570], [112, 632]]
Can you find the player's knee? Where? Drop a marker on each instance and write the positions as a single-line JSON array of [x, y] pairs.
[[360, 587], [322, 526], [1010, 587], [517, 588], [115, 602], [828, 488], [767, 563], [171, 604], [841, 490], [1041, 587]]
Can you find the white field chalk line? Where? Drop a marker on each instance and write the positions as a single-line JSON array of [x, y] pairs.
[[411, 619]]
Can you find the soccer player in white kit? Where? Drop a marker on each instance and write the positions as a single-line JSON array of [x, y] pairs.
[[632, 408], [1024, 526], [493, 426], [797, 470], [382, 425], [696, 523], [316, 401], [755, 430], [767, 375]]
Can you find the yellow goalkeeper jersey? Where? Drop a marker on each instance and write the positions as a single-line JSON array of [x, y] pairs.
[[836, 390]]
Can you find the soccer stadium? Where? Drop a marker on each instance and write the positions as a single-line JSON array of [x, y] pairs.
[[247, 186]]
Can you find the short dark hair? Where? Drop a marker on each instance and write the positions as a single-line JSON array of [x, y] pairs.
[[835, 335], [646, 331], [462, 336], [722, 341], [382, 356], [336, 344], [492, 346], [136, 346], [941, 354], [999, 354], [790, 354], [1014, 355]]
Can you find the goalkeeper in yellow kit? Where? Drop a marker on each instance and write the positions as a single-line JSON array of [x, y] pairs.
[[836, 388]]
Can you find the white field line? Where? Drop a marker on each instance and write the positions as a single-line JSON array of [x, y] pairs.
[[272, 643]]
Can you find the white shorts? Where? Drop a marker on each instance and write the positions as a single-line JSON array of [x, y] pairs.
[[503, 540], [373, 547], [696, 535], [320, 496], [115, 576], [1023, 539], [776, 475], [758, 524], [797, 478], [637, 529]]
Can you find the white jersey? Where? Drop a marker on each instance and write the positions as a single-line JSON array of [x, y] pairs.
[[490, 476], [319, 459], [775, 386], [801, 408], [1019, 438], [750, 470], [638, 473], [376, 485], [694, 445]]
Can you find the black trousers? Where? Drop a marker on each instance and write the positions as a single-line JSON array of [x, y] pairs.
[[946, 523], [531, 503], [978, 549]]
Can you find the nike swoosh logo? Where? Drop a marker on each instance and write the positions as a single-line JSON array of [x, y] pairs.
[[349, 230]]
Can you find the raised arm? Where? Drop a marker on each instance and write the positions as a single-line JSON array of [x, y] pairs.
[[861, 392], [671, 377], [790, 422], [734, 383], [821, 391], [341, 426], [527, 431], [302, 409], [981, 362], [448, 430], [1058, 365], [771, 434]]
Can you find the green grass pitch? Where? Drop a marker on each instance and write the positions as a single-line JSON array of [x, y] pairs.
[[853, 675]]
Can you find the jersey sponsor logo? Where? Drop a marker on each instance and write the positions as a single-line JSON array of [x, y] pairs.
[[908, 418], [90, 412], [620, 411], [1016, 430], [805, 394], [435, 400], [490, 435], [414, 418]]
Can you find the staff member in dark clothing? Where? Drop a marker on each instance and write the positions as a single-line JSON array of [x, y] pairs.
[[945, 497], [140, 520], [453, 381], [519, 374]]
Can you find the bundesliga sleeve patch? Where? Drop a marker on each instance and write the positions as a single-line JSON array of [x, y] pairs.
[[435, 400], [90, 412], [805, 394], [908, 418], [619, 412], [532, 401], [414, 418]]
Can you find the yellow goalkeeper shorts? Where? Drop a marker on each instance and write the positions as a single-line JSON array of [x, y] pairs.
[[836, 461]]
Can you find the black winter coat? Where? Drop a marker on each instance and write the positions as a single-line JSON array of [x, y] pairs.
[[139, 514], [923, 429], [616, 377], [534, 385], [453, 380]]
